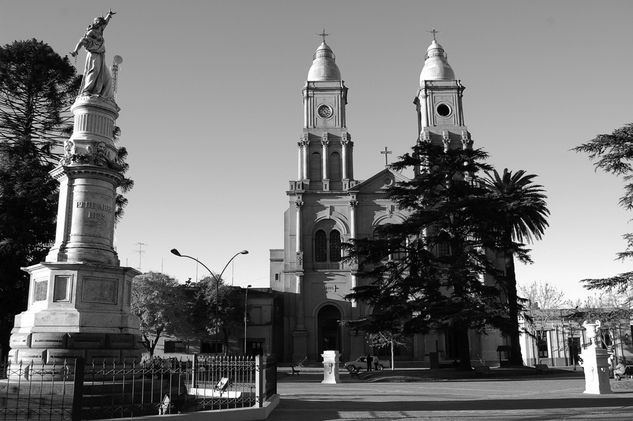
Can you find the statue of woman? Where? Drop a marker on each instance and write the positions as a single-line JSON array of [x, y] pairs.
[[96, 79]]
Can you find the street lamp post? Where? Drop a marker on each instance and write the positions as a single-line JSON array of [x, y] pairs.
[[245, 315], [216, 278]]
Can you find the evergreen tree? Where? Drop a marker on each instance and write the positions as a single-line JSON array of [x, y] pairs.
[[428, 272], [613, 153], [36, 88], [28, 206]]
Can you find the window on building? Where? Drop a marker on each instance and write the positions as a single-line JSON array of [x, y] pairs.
[[335, 246], [175, 346], [315, 166], [320, 246], [541, 343], [443, 249], [327, 244], [335, 166], [254, 347], [210, 347]]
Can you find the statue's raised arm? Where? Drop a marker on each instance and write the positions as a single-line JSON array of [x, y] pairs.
[[108, 17], [96, 78]]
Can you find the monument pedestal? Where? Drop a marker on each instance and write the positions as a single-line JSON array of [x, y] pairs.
[[77, 310], [79, 298], [596, 367], [330, 367], [595, 362]]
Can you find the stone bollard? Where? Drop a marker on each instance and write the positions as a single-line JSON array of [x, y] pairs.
[[595, 363], [330, 367]]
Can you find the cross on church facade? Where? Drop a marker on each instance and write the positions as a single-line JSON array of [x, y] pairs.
[[323, 35], [386, 152]]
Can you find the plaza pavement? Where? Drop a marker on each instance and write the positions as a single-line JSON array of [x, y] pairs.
[[551, 396]]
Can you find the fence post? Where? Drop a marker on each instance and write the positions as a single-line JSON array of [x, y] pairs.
[[259, 381], [78, 392], [194, 367]]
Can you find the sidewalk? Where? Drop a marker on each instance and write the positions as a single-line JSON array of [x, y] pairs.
[[536, 397]]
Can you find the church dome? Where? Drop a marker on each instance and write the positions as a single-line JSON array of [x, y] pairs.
[[435, 65], [324, 66]]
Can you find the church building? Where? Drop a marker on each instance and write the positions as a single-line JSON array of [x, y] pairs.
[[329, 206]]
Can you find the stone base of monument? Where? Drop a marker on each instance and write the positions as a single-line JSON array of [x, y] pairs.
[[596, 368], [77, 310], [330, 367]]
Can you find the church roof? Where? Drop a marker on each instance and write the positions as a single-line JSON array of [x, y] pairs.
[[379, 181], [436, 66], [324, 67]]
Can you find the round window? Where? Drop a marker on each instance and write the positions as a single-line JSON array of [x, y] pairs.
[[325, 111], [443, 110]]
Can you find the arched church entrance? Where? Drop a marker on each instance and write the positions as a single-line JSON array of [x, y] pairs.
[[328, 328]]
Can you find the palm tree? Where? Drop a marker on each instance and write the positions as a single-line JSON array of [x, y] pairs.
[[519, 215]]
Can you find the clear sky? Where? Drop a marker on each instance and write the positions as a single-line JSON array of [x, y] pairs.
[[210, 93]]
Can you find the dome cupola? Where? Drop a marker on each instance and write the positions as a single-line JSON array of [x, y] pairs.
[[436, 66], [324, 67]]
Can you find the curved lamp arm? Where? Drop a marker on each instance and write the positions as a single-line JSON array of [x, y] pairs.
[[217, 278]]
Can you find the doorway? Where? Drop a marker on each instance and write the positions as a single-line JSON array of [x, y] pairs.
[[328, 328]]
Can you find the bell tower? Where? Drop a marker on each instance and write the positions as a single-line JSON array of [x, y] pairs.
[[325, 149], [439, 102]]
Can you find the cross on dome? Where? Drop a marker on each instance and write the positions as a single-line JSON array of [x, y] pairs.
[[323, 34], [433, 32]]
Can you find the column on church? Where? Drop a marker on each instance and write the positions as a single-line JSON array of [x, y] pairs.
[[299, 323], [300, 161], [325, 143], [303, 157], [344, 143], [350, 164], [352, 227]]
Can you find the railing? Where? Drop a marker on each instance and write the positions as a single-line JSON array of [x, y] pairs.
[[76, 391], [34, 391]]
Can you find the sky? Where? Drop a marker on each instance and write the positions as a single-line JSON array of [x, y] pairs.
[[211, 112]]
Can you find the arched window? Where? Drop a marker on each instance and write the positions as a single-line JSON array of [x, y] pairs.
[[335, 246], [320, 246], [335, 166], [315, 166]]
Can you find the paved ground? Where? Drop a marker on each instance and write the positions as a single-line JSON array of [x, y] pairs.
[[545, 397]]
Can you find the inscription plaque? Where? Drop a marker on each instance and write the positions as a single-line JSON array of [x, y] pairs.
[[40, 290], [100, 290]]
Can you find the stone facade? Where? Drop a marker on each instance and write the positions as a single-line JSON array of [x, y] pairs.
[[328, 205]]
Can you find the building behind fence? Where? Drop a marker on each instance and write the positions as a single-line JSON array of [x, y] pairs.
[[73, 390]]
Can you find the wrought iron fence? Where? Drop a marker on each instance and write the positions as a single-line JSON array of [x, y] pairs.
[[76, 391], [31, 391]]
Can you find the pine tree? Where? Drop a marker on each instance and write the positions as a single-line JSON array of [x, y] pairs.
[[427, 273], [614, 154]]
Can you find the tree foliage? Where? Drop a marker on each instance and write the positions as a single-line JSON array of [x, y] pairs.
[[188, 311], [518, 213], [221, 315], [543, 295], [426, 272], [613, 153], [439, 268], [160, 304], [37, 86]]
